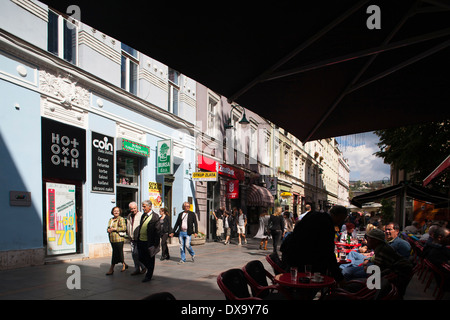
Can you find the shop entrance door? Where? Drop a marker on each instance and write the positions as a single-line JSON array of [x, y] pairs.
[[127, 181]]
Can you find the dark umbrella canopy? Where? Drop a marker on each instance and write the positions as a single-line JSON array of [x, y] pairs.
[[311, 67], [403, 188]]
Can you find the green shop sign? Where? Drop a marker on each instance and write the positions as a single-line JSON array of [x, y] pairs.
[[164, 158], [133, 147]]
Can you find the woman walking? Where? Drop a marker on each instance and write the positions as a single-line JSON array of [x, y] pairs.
[[117, 228], [165, 230], [276, 227], [263, 231]]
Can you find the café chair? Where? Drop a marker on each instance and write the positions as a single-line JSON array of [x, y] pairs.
[[440, 275], [257, 276], [355, 290], [234, 285], [274, 260]]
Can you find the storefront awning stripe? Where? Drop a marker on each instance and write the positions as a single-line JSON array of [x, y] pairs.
[[259, 196]]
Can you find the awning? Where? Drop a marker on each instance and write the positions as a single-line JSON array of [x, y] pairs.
[[259, 196], [410, 189], [438, 171]]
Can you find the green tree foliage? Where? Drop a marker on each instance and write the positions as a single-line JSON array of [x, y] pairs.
[[417, 149]]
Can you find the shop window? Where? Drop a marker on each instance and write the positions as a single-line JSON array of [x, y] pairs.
[[127, 171]]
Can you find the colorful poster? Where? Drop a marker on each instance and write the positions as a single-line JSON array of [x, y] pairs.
[[61, 218], [154, 192]]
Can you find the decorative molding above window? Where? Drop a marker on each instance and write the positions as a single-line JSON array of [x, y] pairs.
[[63, 89], [126, 131], [95, 44]]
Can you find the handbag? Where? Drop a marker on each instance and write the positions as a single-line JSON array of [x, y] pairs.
[[153, 251]]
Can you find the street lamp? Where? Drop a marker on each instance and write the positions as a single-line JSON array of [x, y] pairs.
[[243, 120]]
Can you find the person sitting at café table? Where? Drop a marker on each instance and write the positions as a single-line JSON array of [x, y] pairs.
[[384, 257], [414, 228], [312, 243], [402, 247], [349, 231]]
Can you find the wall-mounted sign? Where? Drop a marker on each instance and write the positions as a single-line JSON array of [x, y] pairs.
[[61, 218], [204, 176], [133, 147], [232, 189], [206, 163], [63, 151], [272, 185], [164, 157], [102, 147], [20, 198]]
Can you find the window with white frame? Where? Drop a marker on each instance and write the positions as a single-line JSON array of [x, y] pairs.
[[211, 126], [286, 159], [253, 142], [62, 37], [129, 69], [174, 91], [296, 167], [277, 153]]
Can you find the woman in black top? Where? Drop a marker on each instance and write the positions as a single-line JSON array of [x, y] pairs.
[[165, 230], [276, 227]]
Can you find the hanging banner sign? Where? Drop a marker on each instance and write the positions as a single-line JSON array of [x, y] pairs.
[[272, 185], [164, 157], [232, 189], [61, 218], [102, 163], [204, 176]]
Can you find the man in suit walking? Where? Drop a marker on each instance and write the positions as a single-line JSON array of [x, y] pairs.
[[149, 238], [186, 225]]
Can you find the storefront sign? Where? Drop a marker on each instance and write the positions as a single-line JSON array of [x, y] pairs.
[[272, 185], [102, 147], [154, 192], [164, 157], [232, 189], [61, 218], [206, 163], [63, 151], [204, 176], [133, 147]]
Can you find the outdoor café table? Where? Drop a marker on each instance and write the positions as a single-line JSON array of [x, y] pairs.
[[343, 244], [284, 279]]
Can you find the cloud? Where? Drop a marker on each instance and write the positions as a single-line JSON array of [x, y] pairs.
[[363, 164]]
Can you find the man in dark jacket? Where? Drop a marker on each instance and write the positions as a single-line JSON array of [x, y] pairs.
[[312, 242], [149, 238], [186, 225]]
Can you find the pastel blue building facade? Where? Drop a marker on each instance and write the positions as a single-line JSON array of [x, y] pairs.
[[81, 115]]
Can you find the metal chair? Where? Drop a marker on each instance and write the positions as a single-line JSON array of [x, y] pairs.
[[234, 285], [274, 260], [257, 276]]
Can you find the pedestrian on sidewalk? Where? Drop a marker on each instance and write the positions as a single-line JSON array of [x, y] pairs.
[[133, 222], [166, 229], [276, 227], [185, 227], [149, 238], [241, 223], [227, 223], [263, 231], [218, 215], [117, 227]]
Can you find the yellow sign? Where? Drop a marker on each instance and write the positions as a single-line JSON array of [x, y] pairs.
[[286, 194], [204, 176]]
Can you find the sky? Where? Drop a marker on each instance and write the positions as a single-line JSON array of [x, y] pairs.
[[363, 164]]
